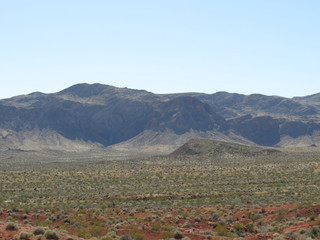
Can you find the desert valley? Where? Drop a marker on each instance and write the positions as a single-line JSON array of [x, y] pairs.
[[99, 162]]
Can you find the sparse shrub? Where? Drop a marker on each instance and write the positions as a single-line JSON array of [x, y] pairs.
[[112, 234], [136, 235], [262, 211], [249, 227], [198, 218], [155, 227], [91, 230], [215, 217], [13, 215], [253, 217], [314, 232], [25, 236], [125, 238], [177, 235], [260, 224], [117, 226], [38, 231], [279, 238], [223, 231], [51, 235], [166, 235], [106, 237], [214, 225], [11, 226], [186, 224], [208, 232], [238, 228], [292, 235], [303, 231]]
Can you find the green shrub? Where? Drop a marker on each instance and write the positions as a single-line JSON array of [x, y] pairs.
[[314, 232], [177, 235], [106, 237], [51, 235], [249, 227], [25, 236], [166, 235], [303, 231], [155, 227], [125, 238], [238, 228], [38, 231], [136, 235], [222, 231], [11, 226]]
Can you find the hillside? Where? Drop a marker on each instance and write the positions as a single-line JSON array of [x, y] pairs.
[[220, 149]]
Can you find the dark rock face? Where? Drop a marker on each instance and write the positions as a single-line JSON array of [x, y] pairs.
[[184, 113], [267, 131], [109, 115], [261, 130], [296, 129]]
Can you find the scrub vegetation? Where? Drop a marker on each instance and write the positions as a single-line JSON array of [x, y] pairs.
[[274, 196]]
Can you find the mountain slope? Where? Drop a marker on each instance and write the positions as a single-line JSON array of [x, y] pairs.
[[166, 141], [230, 105], [314, 98], [42, 140], [184, 113], [106, 114], [109, 115]]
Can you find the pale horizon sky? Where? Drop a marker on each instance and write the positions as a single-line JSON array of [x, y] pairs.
[[249, 46]]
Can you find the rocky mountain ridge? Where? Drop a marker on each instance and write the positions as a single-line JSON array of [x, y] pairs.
[[104, 115]]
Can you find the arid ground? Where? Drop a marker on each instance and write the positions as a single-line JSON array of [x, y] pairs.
[[226, 196]]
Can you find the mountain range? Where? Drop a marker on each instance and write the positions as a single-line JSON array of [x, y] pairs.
[[95, 116]]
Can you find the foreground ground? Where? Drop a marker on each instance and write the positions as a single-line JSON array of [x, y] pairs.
[[264, 222], [91, 196]]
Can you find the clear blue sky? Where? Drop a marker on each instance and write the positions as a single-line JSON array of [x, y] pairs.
[[246, 46]]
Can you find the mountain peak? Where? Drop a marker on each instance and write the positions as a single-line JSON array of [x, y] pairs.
[[86, 90]]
